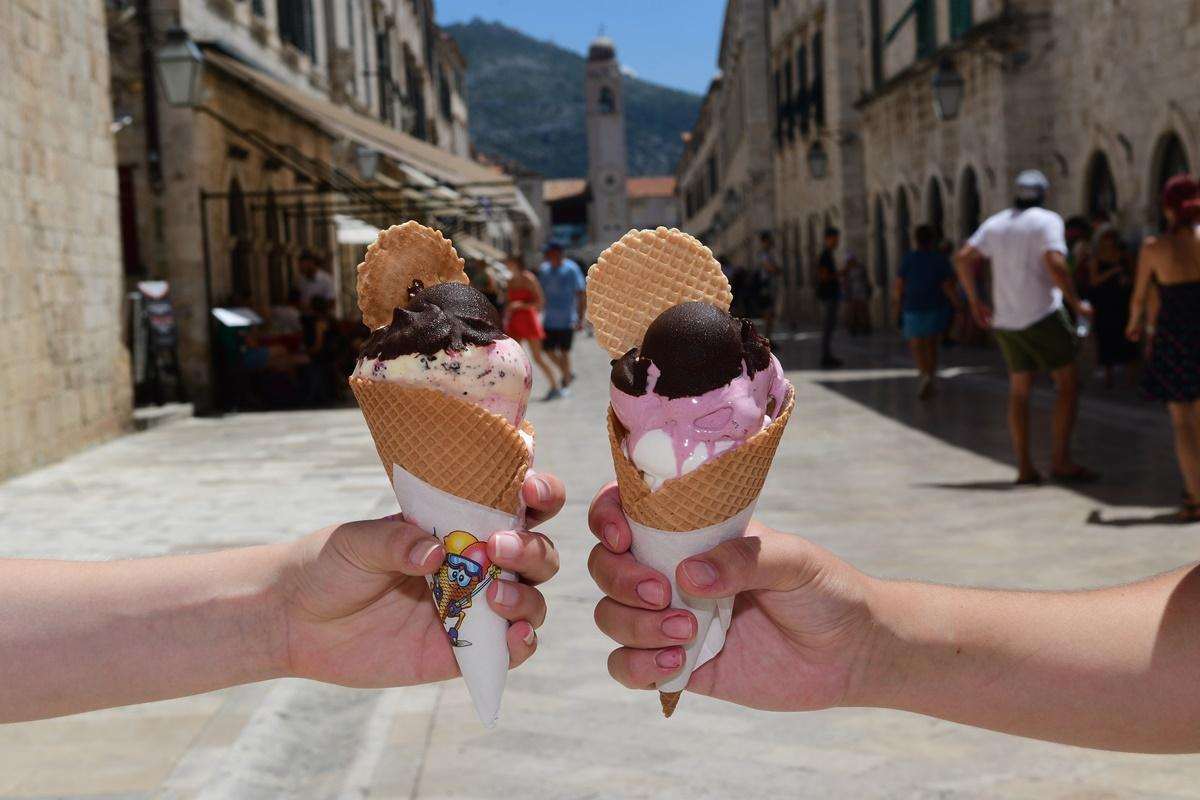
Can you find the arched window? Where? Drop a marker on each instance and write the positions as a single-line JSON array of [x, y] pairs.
[[1171, 160], [277, 282], [1101, 188], [239, 233], [903, 223], [608, 100], [935, 211], [879, 229], [970, 207]]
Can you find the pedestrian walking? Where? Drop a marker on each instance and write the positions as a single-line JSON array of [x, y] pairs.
[[1169, 265], [523, 316], [926, 295], [1027, 247], [1110, 289], [765, 280], [829, 293], [314, 281], [858, 297], [564, 290]]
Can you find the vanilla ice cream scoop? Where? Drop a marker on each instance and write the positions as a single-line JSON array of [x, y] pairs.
[[450, 338], [701, 383]]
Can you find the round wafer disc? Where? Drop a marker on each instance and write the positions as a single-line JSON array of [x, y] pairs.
[[642, 275], [403, 254]]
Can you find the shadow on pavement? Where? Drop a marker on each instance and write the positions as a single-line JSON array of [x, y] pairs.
[[1168, 518], [1130, 445]]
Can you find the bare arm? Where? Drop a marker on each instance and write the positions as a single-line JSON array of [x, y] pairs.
[[1056, 263], [898, 295], [966, 262], [1141, 291], [80, 636], [1113, 668], [581, 308]]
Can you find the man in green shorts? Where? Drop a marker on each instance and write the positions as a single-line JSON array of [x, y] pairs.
[[1027, 247]]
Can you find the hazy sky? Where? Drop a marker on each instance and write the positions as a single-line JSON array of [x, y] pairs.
[[671, 42]]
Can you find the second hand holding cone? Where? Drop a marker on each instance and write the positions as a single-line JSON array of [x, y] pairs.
[[699, 405]]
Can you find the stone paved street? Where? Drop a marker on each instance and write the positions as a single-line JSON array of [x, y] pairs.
[[901, 489]]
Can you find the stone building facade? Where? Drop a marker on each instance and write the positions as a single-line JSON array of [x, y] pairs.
[[1098, 94], [725, 182], [1094, 93], [220, 199], [814, 46], [64, 370]]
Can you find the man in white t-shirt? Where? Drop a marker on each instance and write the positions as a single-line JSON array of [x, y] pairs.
[[1027, 247], [314, 281]]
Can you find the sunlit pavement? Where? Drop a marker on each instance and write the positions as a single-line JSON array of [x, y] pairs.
[[900, 487]]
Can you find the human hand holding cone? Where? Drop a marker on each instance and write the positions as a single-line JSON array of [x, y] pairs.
[[444, 395], [707, 404]]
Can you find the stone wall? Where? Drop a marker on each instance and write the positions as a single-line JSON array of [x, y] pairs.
[[64, 371]]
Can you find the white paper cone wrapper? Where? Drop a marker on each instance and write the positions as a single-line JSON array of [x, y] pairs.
[[663, 551], [479, 634]]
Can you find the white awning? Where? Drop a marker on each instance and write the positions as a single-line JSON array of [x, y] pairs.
[[351, 230]]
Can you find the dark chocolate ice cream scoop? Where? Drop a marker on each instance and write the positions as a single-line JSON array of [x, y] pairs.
[[446, 316], [697, 347]]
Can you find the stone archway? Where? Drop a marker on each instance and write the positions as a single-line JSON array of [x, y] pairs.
[[970, 205], [935, 209], [1170, 159], [1100, 188]]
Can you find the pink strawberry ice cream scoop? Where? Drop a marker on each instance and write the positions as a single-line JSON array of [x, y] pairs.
[[449, 338], [701, 383]]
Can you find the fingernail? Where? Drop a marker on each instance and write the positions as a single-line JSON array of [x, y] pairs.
[[541, 488], [678, 626], [669, 659], [529, 637], [700, 573], [507, 545], [610, 536], [422, 551], [506, 593], [651, 592]]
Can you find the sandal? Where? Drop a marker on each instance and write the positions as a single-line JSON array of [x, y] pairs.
[[1077, 475], [1032, 479], [1190, 512]]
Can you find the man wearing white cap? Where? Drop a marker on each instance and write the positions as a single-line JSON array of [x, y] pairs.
[[1030, 282]]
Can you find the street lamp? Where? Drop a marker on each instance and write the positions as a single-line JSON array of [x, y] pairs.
[[947, 91], [180, 64], [368, 161], [818, 160]]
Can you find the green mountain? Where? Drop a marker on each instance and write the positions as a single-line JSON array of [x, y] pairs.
[[527, 105]]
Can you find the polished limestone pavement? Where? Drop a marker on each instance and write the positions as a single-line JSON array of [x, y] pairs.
[[901, 488]]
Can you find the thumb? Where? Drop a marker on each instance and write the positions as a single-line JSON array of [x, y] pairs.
[[388, 545], [767, 560]]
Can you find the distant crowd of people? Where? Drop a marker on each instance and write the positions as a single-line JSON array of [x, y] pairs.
[[1040, 286]]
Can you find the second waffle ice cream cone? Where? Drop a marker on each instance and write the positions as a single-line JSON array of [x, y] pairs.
[[708, 405]]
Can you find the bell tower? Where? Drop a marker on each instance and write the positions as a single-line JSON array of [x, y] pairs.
[[608, 208]]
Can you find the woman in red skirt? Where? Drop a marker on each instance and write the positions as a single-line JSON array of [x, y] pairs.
[[523, 316]]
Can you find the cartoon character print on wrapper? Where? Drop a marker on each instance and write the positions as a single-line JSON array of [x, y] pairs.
[[465, 572]]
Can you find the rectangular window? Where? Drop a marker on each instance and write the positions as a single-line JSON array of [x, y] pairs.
[[803, 109], [779, 100], [876, 44], [789, 105], [712, 175], [258, 7], [960, 17], [926, 27], [818, 79], [296, 26], [127, 203]]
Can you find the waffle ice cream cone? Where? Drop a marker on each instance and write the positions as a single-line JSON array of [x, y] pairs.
[[632, 283], [451, 444], [455, 466]]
